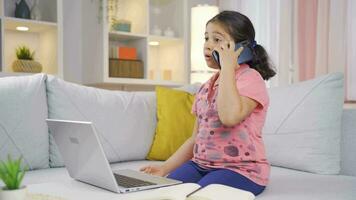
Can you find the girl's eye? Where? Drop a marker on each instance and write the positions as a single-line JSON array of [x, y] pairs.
[[206, 39], [217, 40]]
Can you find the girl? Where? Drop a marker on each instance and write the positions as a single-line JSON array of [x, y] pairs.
[[226, 146]]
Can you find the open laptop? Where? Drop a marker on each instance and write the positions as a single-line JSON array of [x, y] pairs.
[[85, 160]]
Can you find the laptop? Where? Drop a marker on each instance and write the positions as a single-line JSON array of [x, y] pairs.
[[84, 158]]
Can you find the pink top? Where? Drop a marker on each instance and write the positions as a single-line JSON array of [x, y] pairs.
[[239, 148]]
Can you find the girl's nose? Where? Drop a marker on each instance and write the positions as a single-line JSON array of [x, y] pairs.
[[207, 46]]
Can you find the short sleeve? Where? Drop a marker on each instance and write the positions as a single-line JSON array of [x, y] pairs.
[[197, 96], [250, 84]]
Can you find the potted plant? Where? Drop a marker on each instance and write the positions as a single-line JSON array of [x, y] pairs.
[[12, 174], [25, 62]]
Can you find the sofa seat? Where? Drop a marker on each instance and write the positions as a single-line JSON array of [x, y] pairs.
[[289, 184], [285, 184]]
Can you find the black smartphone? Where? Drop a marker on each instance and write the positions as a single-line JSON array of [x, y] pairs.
[[245, 56]]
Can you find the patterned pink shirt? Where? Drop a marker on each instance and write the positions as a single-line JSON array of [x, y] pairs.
[[239, 148]]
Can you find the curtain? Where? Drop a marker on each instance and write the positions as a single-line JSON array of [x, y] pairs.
[[322, 33], [307, 29]]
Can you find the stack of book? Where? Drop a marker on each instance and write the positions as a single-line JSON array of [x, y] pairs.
[[123, 62], [123, 52], [125, 68]]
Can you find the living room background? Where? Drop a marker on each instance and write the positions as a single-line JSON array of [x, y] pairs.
[[285, 39], [305, 38]]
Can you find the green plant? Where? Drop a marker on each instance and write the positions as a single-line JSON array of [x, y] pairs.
[[24, 53], [11, 173]]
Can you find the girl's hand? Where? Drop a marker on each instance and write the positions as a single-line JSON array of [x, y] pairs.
[[157, 170], [228, 55]]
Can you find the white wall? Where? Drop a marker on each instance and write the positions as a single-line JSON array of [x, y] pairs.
[[83, 45], [351, 51], [92, 42], [72, 43]]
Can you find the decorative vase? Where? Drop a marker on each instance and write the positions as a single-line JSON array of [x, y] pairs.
[[29, 66], [19, 194], [156, 30], [35, 11], [169, 32], [22, 10]]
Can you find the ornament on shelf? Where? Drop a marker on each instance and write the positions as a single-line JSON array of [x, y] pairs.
[[167, 75], [121, 25], [25, 62], [169, 32], [35, 11], [22, 10], [156, 30]]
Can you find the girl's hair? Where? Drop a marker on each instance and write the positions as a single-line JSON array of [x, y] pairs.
[[240, 28]]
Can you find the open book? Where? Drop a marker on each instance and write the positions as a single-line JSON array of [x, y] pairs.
[[193, 191]]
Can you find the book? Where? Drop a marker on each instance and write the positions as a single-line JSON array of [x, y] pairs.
[[128, 53], [193, 191]]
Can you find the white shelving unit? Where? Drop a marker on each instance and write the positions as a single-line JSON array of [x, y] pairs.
[[164, 64], [44, 36]]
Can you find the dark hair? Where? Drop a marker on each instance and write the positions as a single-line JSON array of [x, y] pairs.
[[240, 28]]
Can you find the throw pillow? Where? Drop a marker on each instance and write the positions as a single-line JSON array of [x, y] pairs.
[[175, 122], [23, 111], [303, 125], [124, 121]]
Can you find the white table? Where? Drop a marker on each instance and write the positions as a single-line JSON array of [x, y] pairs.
[[74, 190]]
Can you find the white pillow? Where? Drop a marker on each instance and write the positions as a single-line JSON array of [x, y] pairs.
[[125, 121], [303, 126], [23, 129]]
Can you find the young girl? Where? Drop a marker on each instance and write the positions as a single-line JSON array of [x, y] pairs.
[[226, 146]]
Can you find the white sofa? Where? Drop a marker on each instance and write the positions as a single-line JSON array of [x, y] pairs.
[[316, 163]]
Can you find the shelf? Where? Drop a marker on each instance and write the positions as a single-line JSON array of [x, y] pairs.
[[136, 81], [165, 63], [34, 26], [164, 40], [41, 38], [120, 35]]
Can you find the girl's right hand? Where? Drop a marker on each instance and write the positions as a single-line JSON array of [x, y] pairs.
[[157, 170]]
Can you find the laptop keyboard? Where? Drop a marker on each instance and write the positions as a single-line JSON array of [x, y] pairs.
[[129, 182]]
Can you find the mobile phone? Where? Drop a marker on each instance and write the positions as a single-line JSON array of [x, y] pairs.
[[245, 56]]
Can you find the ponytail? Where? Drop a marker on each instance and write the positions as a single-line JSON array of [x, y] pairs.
[[261, 62]]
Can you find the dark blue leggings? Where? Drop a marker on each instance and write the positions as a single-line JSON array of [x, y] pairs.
[[190, 172]]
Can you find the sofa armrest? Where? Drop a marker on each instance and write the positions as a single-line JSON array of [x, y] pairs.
[[348, 142]]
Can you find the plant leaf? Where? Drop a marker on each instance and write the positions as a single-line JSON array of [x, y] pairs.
[[11, 173]]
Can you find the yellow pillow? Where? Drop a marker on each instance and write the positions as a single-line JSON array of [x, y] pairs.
[[175, 122]]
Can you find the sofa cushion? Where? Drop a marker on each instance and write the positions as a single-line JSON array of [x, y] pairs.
[[125, 121], [303, 125], [23, 129], [175, 122]]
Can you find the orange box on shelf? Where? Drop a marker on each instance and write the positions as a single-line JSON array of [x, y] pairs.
[[128, 53]]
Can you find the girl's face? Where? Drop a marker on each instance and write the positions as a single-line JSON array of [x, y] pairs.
[[215, 35]]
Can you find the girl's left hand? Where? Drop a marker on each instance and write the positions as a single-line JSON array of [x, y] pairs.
[[228, 55]]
